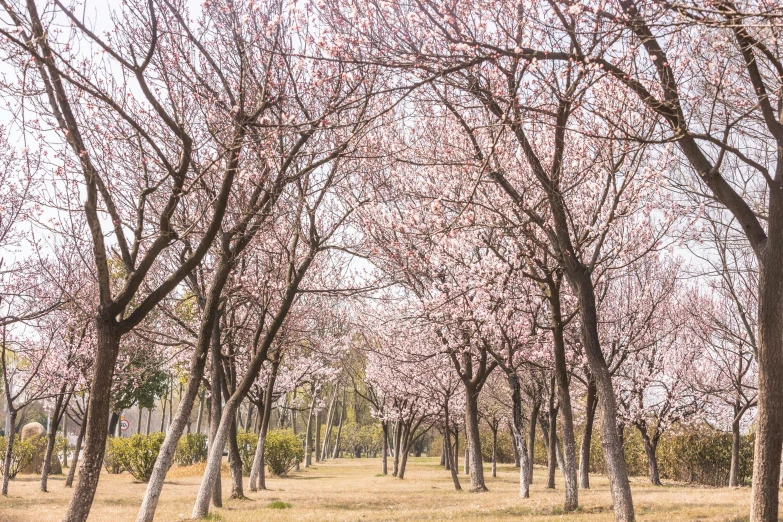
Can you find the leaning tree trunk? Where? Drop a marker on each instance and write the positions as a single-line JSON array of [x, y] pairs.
[[474, 441], [584, 457], [106, 351], [336, 453], [610, 442], [76, 451], [9, 449]]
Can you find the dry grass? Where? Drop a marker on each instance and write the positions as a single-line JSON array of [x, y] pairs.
[[350, 490]]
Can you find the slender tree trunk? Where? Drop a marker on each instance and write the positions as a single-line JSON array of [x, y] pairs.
[[404, 449], [466, 463], [9, 450], [385, 457], [318, 436], [257, 474], [138, 420], [584, 458], [474, 442], [514, 445], [397, 440], [235, 462], [215, 445], [309, 432], [451, 465], [200, 410], [106, 351], [735, 452], [76, 451], [552, 438], [571, 501], [163, 401], [494, 452], [531, 448], [149, 421], [51, 437], [339, 430]]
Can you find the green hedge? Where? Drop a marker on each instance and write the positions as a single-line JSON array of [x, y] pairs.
[[191, 448], [282, 450], [135, 454], [247, 442]]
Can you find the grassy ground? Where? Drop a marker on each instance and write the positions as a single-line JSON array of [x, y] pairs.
[[352, 490]]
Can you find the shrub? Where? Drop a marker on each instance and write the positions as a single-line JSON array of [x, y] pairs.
[[112, 459], [140, 453], [191, 448], [247, 442], [62, 446], [282, 450], [22, 454], [135, 454]]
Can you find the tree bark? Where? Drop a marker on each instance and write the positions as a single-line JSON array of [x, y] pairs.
[[584, 458], [76, 451], [474, 441], [735, 452], [51, 437], [450, 464], [651, 450], [518, 430], [216, 413], [106, 351], [257, 475], [397, 441], [494, 452], [534, 412], [339, 430], [9, 449], [385, 457]]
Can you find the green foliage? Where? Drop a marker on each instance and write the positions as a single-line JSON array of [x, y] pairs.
[[112, 457], [282, 450], [191, 448], [696, 455], [247, 442], [134, 454], [357, 439], [505, 449], [278, 504], [22, 454]]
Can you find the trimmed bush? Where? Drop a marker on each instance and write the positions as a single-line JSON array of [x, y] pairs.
[[247, 442], [191, 448], [22, 454], [135, 454], [112, 459], [282, 450]]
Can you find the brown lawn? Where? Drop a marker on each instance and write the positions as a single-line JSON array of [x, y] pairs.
[[351, 490]]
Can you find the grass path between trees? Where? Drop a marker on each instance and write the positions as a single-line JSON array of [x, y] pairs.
[[351, 490]]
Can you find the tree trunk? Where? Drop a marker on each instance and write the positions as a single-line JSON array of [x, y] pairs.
[[51, 437], [610, 442], [466, 464], [518, 430], [318, 436], [76, 451], [163, 402], [106, 351], [113, 421], [149, 421], [404, 450], [257, 475], [235, 461], [551, 446], [9, 448], [397, 440], [651, 449], [769, 420], [200, 410], [339, 430], [571, 501], [451, 465], [735, 452], [385, 457], [309, 432], [495, 452], [474, 442], [584, 458], [532, 438], [216, 413], [138, 420], [514, 446]]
